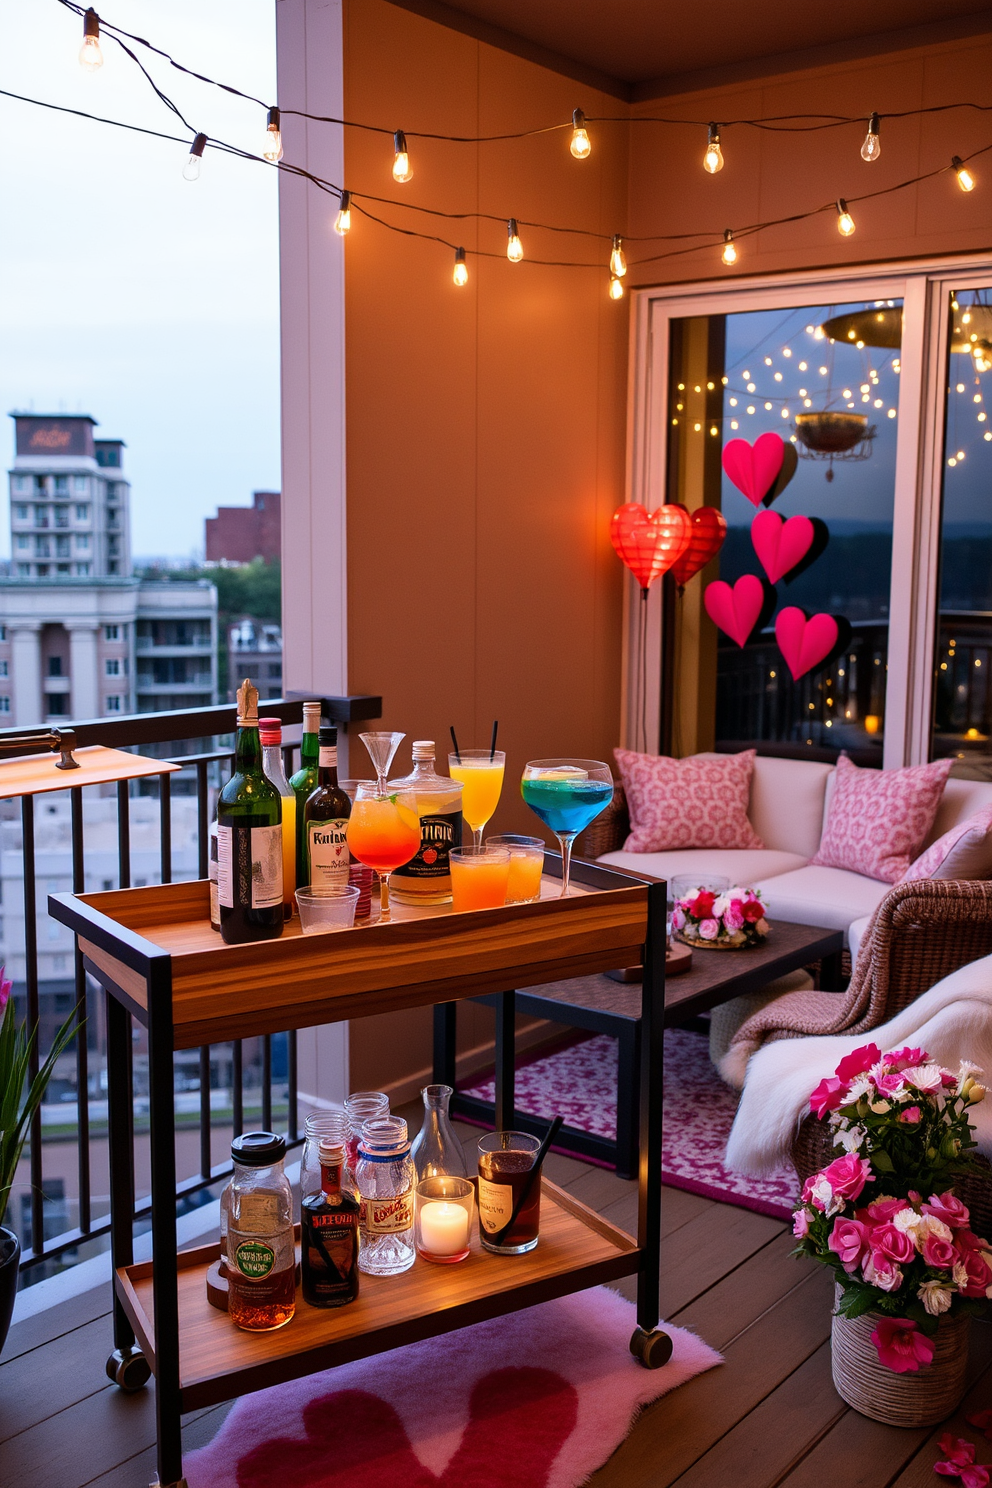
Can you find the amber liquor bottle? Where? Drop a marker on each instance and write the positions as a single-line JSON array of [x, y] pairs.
[[329, 1234]]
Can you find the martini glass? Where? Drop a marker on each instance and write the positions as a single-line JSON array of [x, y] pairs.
[[567, 794], [381, 747], [383, 831]]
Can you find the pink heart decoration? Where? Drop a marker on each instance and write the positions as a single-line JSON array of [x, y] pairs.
[[735, 611], [804, 641], [781, 544], [754, 468]]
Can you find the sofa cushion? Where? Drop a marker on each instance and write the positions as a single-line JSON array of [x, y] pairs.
[[740, 867], [961, 799], [963, 852], [855, 935], [814, 895], [786, 806], [700, 801], [877, 820]]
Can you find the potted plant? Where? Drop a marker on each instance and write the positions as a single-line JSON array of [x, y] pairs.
[[885, 1217], [726, 921], [17, 1106]]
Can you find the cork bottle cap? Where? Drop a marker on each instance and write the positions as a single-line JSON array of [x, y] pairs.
[[423, 749], [330, 1152], [248, 704]]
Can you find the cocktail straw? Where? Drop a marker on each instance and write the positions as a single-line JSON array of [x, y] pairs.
[[492, 747], [458, 753], [524, 1194]]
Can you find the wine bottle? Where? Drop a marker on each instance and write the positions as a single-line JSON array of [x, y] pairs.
[[270, 733], [304, 782], [249, 838], [325, 820]]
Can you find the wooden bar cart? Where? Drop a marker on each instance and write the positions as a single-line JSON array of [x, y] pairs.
[[154, 952]]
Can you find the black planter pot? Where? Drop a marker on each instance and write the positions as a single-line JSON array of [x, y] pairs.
[[10, 1255]]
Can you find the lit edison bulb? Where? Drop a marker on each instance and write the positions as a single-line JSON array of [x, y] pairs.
[[401, 158], [191, 170], [342, 222], [90, 55], [872, 148], [618, 262], [713, 159], [965, 179], [272, 145], [845, 222], [460, 274], [514, 247], [580, 143], [616, 288], [729, 254]]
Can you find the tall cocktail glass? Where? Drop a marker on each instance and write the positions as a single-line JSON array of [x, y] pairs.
[[481, 774], [567, 794], [383, 831], [382, 746]]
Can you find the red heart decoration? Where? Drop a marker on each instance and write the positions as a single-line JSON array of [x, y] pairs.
[[735, 611], [804, 640], [754, 469], [709, 528], [649, 543], [781, 544]]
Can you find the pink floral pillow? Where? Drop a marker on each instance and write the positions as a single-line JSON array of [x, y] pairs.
[[696, 802], [877, 820], [963, 852]]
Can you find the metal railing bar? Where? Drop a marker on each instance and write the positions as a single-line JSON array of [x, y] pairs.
[[182, 760], [267, 1081], [31, 980], [124, 834], [82, 1045], [165, 827], [205, 1110], [202, 820], [237, 1088], [293, 1121]]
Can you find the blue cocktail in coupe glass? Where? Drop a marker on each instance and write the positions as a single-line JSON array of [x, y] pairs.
[[567, 794]]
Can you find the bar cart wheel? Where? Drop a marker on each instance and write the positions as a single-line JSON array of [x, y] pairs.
[[129, 1369], [651, 1349]]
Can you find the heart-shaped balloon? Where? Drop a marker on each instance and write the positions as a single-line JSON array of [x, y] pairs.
[[736, 611], [709, 528], [804, 640], [754, 468], [781, 544], [649, 543]]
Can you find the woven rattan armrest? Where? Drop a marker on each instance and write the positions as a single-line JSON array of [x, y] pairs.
[[609, 831]]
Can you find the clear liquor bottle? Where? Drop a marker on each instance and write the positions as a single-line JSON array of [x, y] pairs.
[[386, 1180], [249, 838], [270, 733], [426, 879], [305, 781], [325, 821]]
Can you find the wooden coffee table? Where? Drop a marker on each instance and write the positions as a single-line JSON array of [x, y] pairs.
[[600, 1005]]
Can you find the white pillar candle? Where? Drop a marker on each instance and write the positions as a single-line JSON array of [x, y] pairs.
[[443, 1228]]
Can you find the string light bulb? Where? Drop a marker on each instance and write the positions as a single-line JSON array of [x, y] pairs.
[[401, 159], [845, 222], [729, 254], [580, 144], [514, 247], [713, 159], [90, 55], [618, 261], [872, 147], [965, 179], [191, 170], [460, 274], [616, 287], [272, 147], [342, 222]]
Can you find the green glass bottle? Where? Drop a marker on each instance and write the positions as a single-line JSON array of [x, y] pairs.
[[304, 783], [249, 838]]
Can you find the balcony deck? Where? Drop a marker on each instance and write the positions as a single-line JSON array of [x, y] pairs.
[[768, 1418]]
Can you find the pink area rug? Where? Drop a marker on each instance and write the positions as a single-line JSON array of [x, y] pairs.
[[580, 1081], [538, 1399]]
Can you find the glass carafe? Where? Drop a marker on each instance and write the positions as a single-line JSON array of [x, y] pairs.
[[436, 1151]]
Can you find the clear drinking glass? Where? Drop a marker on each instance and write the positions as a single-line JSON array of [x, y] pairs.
[[481, 774], [523, 886], [382, 745], [384, 832], [436, 1150], [567, 794], [509, 1192], [479, 877]]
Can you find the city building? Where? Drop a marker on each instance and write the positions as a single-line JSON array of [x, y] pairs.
[[254, 650], [238, 534], [80, 636]]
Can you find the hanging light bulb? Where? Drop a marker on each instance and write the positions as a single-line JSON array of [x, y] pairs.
[[514, 247], [580, 143], [965, 179], [460, 274], [616, 288], [272, 146], [729, 254], [618, 261], [401, 158], [713, 159], [342, 222], [845, 222], [90, 55], [191, 170], [871, 149]]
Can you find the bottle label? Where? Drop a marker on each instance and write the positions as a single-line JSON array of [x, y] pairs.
[[249, 866], [495, 1205], [327, 849], [254, 1260], [439, 833], [388, 1216], [328, 757]]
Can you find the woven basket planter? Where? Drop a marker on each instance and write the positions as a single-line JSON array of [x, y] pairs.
[[698, 943], [923, 1398]]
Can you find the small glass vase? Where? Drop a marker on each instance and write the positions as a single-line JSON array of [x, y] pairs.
[[436, 1151]]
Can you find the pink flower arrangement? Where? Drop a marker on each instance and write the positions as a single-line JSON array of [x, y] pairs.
[[902, 1122], [733, 918]]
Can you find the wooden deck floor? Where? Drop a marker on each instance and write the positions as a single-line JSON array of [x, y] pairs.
[[769, 1416]]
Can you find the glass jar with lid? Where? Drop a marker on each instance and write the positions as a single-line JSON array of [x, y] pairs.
[[386, 1181], [261, 1254]]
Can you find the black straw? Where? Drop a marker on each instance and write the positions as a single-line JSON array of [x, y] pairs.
[[458, 753], [524, 1194], [492, 747]]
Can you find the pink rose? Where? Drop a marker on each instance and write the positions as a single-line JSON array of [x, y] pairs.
[[849, 1241], [848, 1175], [733, 920], [6, 987], [895, 1244], [948, 1207], [881, 1211], [911, 1115], [827, 1096], [977, 1273], [878, 1270], [939, 1254], [702, 906], [753, 910], [901, 1059], [678, 918], [890, 1084], [858, 1062], [800, 1224], [709, 929], [901, 1346]]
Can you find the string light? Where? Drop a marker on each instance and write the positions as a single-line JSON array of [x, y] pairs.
[[272, 146], [713, 159], [845, 222], [965, 179], [401, 159], [342, 222], [191, 170], [580, 143], [616, 288], [872, 148], [90, 55], [514, 247], [618, 262], [460, 274], [729, 254]]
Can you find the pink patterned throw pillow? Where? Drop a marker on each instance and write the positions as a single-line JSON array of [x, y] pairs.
[[877, 820], [965, 851], [696, 802]]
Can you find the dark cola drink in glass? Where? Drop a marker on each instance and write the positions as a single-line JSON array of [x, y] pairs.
[[509, 1192]]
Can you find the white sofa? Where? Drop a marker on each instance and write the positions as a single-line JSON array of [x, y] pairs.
[[787, 809]]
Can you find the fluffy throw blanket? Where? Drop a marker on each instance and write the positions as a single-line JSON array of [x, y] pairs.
[[953, 1021]]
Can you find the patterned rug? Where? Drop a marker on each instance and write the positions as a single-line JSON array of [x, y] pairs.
[[580, 1081]]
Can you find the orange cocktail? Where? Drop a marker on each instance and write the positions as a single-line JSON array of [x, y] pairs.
[[383, 831], [478, 877]]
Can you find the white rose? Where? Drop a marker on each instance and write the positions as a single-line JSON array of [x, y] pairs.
[[720, 906], [935, 1296], [850, 1140], [823, 1194], [959, 1274]]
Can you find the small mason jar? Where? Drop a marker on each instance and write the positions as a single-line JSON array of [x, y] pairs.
[[360, 1107], [386, 1180], [329, 1124]]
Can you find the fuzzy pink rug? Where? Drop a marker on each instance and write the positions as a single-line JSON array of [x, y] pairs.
[[580, 1081], [538, 1399]]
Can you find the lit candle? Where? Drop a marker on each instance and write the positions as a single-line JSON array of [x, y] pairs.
[[444, 1228]]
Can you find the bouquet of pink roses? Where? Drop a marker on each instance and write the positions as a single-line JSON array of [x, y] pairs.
[[902, 1122], [733, 918]]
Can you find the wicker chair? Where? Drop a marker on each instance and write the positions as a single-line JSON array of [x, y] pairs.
[[609, 831]]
